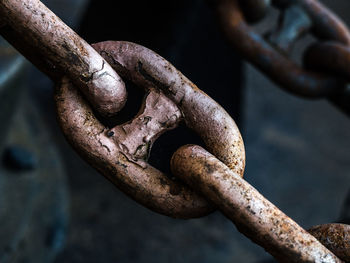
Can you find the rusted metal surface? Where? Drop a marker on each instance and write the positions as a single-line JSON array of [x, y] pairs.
[[336, 237], [276, 66], [253, 214], [57, 50], [121, 152]]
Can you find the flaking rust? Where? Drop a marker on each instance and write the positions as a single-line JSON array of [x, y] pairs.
[[58, 51], [336, 237], [121, 153]]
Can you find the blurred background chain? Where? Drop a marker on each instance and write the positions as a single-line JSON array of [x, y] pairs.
[[297, 149], [324, 72]]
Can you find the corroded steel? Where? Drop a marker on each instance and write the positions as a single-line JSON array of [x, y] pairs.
[[121, 153], [336, 237], [253, 214], [57, 50]]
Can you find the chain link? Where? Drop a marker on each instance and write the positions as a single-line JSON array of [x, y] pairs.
[[121, 152]]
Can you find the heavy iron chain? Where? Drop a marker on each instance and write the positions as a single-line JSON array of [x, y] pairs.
[[120, 153]]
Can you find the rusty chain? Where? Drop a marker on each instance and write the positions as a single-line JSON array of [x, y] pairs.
[[121, 153], [213, 178], [114, 152]]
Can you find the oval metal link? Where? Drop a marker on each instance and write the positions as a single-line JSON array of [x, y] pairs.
[[121, 153]]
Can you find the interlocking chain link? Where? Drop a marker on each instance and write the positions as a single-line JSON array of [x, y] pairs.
[[214, 177], [121, 153]]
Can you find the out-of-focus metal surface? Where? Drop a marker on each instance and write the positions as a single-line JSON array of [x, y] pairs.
[[33, 203], [329, 57], [308, 17]]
